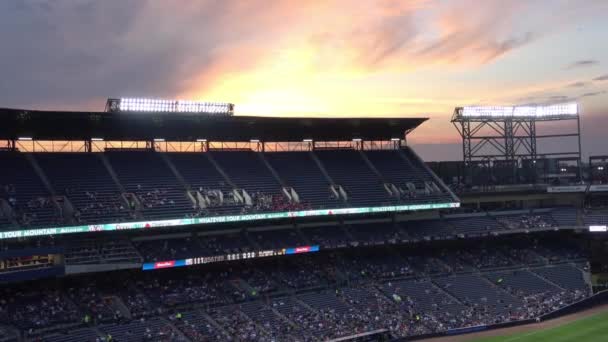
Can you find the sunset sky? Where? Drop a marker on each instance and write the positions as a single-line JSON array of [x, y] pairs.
[[376, 58]]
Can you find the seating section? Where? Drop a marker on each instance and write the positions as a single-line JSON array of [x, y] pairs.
[[225, 244], [237, 324], [475, 225], [428, 228], [348, 169], [248, 172], [375, 234], [304, 297], [473, 290], [8, 334], [81, 251], [276, 239], [527, 221], [168, 249], [423, 296], [326, 237], [197, 327], [400, 168], [148, 176], [76, 335], [91, 189], [147, 330], [521, 283], [596, 218], [565, 276], [201, 174], [299, 171], [565, 217], [5, 222], [84, 180], [25, 192], [265, 318]]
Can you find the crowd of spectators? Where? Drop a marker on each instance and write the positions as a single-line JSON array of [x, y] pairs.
[[238, 325], [548, 301], [526, 222], [328, 295], [154, 198], [32, 310], [261, 202], [358, 290], [98, 206]]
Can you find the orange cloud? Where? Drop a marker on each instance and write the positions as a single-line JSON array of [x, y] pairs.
[[322, 58]]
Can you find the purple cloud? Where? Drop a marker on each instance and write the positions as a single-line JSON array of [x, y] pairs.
[[601, 78], [577, 85], [583, 63]]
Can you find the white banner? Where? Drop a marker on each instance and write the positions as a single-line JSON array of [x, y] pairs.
[[598, 188], [568, 188]]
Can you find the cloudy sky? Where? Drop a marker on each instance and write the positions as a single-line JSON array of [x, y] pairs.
[[313, 57]]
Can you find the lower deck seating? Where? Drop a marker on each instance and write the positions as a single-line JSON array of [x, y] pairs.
[[237, 324], [77, 335], [520, 283], [473, 290], [564, 276], [408, 290], [425, 297], [277, 327], [196, 327], [154, 329]]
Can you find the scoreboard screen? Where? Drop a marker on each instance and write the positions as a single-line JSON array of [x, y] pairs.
[[228, 257]]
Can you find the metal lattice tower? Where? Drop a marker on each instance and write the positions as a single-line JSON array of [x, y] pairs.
[[508, 134]]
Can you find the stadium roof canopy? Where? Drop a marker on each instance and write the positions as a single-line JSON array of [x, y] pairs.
[[62, 125]]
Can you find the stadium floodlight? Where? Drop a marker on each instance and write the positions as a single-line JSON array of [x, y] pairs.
[[307, 140], [159, 139], [25, 138], [97, 139], [254, 141], [557, 110], [201, 140], [174, 106], [357, 139]]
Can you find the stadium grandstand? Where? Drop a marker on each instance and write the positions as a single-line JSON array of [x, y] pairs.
[[161, 220]]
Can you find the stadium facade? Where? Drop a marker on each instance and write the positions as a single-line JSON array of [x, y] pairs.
[[173, 226]]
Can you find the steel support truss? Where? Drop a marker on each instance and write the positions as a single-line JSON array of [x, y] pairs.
[[508, 140]]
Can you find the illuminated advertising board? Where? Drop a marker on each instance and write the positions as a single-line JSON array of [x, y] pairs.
[[218, 219], [148, 266]]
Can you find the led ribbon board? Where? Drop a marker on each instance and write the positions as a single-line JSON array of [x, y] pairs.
[[228, 257], [218, 219], [558, 110]]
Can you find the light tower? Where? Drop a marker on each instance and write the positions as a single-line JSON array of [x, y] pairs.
[[495, 136]]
